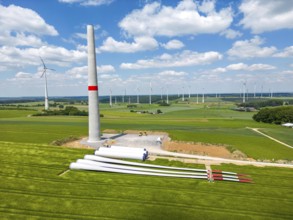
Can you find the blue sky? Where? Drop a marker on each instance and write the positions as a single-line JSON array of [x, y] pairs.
[[180, 46]]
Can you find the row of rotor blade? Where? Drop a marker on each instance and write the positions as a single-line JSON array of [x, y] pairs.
[[98, 163]]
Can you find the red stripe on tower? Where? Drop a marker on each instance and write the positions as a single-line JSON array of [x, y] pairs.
[[93, 88]]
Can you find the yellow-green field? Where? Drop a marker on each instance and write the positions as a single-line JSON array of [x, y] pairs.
[[31, 187]]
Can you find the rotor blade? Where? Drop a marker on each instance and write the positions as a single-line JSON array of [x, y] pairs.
[[43, 62], [44, 72], [50, 69]]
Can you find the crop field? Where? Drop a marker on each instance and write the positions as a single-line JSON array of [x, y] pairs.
[[32, 187]]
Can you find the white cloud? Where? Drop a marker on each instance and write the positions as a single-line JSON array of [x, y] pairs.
[[88, 2], [251, 48], [16, 18], [237, 66], [288, 52], [231, 34], [172, 73], [185, 58], [173, 44], [260, 66], [139, 44], [13, 58], [20, 39], [244, 67], [266, 15], [23, 75], [82, 71], [109, 76], [187, 18], [22, 27], [219, 70]]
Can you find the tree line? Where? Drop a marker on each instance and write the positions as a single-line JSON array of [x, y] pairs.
[[277, 115]]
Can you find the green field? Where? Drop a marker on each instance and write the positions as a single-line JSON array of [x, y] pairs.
[[31, 187]]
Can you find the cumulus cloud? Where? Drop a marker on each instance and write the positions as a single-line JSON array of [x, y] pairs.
[[244, 67], [172, 73], [187, 18], [250, 48], [231, 34], [82, 71], [288, 52], [139, 44], [23, 75], [17, 28], [266, 15], [185, 58], [88, 2], [12, 57], [173, 44]]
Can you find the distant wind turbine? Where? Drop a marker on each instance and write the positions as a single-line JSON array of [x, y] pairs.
[[151, 89], [110, 100], [183, 94], [244, 90], [124, 96], [137, 98], [45, 68], [167, 96]]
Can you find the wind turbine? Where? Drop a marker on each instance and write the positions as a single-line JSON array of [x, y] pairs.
[[110, 98], [202, 95], [124, 95], [167, 96], [151, 93], [137, 97], [45, 68], [183, 94], [244, 90]]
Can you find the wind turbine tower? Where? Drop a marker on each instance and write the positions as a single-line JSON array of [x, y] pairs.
[[183, 94], [151, 93], [124, 96], [202, 95], [167, 96], [93, 95], [45, 68], [110, 99], [244, 90], [137, 98]]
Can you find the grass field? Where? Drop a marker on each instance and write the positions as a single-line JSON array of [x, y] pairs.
[[31, 187]]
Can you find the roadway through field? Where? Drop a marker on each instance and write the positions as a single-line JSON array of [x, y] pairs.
[[274, 139]]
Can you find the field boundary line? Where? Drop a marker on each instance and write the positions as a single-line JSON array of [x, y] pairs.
[[65, 171], [274, 139]]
